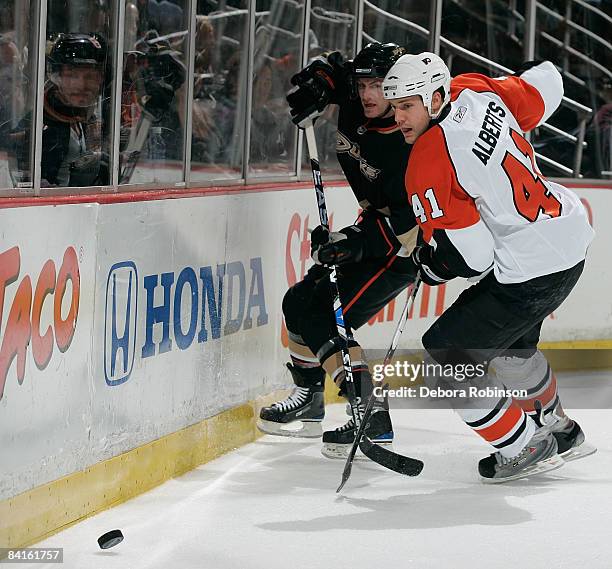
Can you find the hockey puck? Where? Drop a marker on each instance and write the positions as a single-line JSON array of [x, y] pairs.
[[110, 539]]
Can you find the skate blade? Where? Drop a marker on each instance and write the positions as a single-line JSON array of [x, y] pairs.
[[576, 453], [305, 430], [340, 452], [541, 467]]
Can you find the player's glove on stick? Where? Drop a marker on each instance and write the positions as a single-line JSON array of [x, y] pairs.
[[336, 248], [431, 272], [314, 87], [370, 238]]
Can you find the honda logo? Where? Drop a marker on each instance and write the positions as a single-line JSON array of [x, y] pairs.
[[120, 322]]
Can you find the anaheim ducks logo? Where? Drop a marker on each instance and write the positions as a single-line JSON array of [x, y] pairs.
[[368, 171], [345, 146]]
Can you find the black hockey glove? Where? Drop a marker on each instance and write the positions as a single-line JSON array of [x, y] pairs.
[[316, 273], [336, 248], [315, 86], [306, 103], [429, 270], [328, 69], [370, 238], [159, 60]]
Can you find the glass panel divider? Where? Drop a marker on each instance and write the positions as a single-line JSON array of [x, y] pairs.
[[37, 123], [189, 79]]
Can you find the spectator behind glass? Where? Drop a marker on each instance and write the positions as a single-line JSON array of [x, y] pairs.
[[208, 138], [75, 138], [165, 17], [153, 81], [269, 130], [11, 79], [72, 138]]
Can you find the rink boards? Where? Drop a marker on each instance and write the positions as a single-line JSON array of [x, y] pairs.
[[126, 327]]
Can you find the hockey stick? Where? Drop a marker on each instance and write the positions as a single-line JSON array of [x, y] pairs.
[[344, 331], [391, 460], [374, 452], [134, 149]]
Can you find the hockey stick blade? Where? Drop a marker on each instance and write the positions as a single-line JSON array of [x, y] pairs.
[[389, 459], [348, 467], [380, 455]]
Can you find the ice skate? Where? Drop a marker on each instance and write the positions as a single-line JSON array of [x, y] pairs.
[[538, 456], [298, 415], [570, 439], [337, 443]]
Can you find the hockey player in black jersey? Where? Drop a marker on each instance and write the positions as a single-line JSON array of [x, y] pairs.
[[372, 254]]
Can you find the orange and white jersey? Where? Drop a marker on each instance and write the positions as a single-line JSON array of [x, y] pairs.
[[474, 183]]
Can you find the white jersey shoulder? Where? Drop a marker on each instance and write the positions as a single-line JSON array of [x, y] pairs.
[[539, 227]]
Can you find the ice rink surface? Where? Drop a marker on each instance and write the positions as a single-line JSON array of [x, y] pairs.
[[272, 505]]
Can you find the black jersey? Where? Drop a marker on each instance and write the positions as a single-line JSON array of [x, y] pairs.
[[374, 156]]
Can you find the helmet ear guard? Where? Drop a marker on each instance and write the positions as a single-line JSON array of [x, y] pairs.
[[421, 75]]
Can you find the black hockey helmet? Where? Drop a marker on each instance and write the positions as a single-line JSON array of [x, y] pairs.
[[77, 50], [375, 59]]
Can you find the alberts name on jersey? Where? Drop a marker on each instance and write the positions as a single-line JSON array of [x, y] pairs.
[[489, 132]]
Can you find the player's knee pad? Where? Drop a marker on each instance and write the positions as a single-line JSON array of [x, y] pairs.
[[295, 301], [307, 317], [516, 370], [434, 343]]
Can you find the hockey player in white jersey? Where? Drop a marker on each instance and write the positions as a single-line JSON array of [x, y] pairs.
[[486, 210]]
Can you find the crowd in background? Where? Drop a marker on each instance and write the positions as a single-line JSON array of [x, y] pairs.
[[154, 90]]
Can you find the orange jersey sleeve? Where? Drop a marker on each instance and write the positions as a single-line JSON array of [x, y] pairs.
[[438, 201], [459, 242]]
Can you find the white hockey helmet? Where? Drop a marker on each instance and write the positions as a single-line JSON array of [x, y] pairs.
[[421, 74]]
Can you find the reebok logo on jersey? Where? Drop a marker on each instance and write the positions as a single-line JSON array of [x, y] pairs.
[[489, 133], [460, 114]]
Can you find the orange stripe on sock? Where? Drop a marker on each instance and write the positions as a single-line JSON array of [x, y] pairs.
[[504, 425], [548, 395]]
